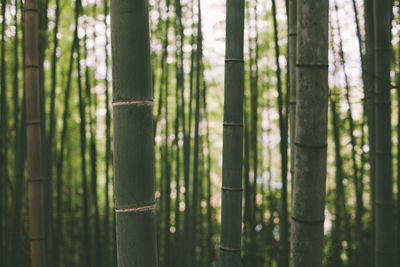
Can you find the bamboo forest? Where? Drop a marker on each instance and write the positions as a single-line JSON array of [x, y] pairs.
[[200, 133]]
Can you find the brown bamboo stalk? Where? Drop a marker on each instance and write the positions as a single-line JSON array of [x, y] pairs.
[[35, 186]]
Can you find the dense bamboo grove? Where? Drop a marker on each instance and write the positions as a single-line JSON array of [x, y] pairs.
[[200, 133]]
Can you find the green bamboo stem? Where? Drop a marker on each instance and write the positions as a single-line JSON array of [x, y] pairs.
[[86, 255], [50, 147], [210, 232], [283, 220], [253, 83], [358, 194], [20, 139], [339, 187], [36, 183], [196, 145], [108, 155], [369, 65], [180, 116], [92, 106], [384, 250], [63, 141], [230, 246], [3, 139], [292, 82], [311, 134], [134, 183], [336, 237], [187, 240]]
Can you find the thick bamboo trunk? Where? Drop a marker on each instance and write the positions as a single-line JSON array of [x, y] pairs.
[[36, 183], [230, 246], [384, 250], [133, 134], [311, 134]]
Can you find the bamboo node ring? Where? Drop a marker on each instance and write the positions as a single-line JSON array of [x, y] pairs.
[[139, 102], [379, 203], [321, 221], [324, 146], [144, 208], [36, 179], [383, 252], [36, 237], [224, 188], [240, 60], [32, 122], [387, 153], [31, 10], [233, 124], [318, 66], [230, 249]]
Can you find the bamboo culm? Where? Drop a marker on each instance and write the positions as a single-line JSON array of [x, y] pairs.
[[36, 182], [134, 183], [230, 246], [384, 225], [311, 134]]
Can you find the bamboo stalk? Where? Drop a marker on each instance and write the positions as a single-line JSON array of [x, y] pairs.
[[230, 245], [384, 250], [134, 183], [311, 134], [36, 182]]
